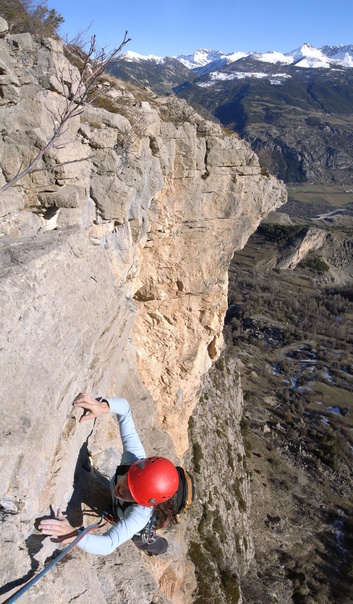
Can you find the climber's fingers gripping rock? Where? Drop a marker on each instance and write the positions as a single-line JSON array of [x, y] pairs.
[[92, 407], [56, 527]]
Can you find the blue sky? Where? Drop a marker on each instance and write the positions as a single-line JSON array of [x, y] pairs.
[[161, 28]]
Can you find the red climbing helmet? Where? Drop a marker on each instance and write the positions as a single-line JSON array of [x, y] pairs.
[[152, 480]]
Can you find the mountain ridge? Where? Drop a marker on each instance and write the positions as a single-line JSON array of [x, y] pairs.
[[294, 109], [304, 56]]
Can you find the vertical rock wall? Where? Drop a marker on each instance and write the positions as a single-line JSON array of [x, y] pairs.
[[221, 544], [214, 197], [113, 280]]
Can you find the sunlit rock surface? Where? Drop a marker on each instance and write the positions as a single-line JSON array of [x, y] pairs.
[[113, 280]]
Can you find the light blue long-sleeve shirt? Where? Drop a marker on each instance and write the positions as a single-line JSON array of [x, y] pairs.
[[136, 516]]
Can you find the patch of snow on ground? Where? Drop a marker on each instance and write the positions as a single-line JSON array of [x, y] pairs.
[[326, 375], [303, 389], [338, 529], [336, 410], [274, 78], [294, 382], [313, 63], [278, 78], [347, 60], [274, 57], [343, 58], [205, 84], [235, 56], [218, 75], [276, 369]]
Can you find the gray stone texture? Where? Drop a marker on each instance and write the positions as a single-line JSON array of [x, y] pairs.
[[113, 267]]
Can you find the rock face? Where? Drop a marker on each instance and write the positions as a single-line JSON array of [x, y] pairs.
[[221, 544], [182, 287], [313, 240], [113, 280]]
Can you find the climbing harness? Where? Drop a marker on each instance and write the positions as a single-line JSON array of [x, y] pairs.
[[148, 534], [82, 532]]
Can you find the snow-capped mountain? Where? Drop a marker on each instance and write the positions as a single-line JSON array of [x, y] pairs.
[[305, 56], [207, 68], [203, 60], [294, 108], [198, 60], [344, 54], [310, 57], [134, 57], [206, 61]]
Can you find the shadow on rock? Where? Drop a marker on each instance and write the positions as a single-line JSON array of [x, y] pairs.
[[91, 490]]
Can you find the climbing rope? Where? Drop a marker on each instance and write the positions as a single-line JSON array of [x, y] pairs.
[[102, 522]]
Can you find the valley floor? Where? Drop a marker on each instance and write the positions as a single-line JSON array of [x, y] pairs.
[[292, 331]]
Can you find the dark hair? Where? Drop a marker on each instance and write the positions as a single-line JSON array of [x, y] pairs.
[[166, 513]]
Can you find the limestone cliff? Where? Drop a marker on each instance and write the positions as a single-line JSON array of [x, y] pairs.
[[113, 280], [313, 240], [221, 544]]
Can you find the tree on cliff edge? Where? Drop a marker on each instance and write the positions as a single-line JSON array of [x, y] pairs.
[[30, 16]]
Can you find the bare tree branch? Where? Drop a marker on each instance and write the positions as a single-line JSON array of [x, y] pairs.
[[78, 95]]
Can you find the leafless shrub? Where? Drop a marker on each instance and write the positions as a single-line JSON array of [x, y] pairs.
[[79, 93]]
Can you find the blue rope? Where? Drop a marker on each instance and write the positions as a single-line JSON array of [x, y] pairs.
[[23, 589]]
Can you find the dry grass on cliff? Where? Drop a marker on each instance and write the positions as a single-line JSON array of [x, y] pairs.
[[30, 16]]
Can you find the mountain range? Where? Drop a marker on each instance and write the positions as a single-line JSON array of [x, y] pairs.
[[295, 109], [205, 61]]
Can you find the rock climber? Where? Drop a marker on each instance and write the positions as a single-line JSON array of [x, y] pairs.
[[142, 490]]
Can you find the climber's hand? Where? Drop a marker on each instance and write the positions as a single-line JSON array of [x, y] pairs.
[[57, 527], [92, 407]]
